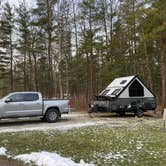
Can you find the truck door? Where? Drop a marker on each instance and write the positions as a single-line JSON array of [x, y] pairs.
[[13, 106], [23, 104], [32, 104]]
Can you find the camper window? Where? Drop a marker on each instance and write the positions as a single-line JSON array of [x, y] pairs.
[[104, 92], [115, 92], [136, 89]]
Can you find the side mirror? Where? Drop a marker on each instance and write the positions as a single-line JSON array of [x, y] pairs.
[[8, 100]]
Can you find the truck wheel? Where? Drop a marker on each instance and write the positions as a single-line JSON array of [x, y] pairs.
[[139, 113], [52, 115]]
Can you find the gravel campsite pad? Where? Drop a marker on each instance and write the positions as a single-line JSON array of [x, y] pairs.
[[78, 140]]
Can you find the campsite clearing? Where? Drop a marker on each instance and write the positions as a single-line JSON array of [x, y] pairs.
[[102, 140]]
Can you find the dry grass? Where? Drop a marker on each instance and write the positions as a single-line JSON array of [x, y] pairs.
[[141, 142]]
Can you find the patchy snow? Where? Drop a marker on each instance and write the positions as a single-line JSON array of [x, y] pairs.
[[117, 156], [2, 151], [64, 127], [139, 145], [44, 159], [49, 159]]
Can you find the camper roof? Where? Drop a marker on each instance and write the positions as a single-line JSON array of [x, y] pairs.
[[119, 85], [120, 82]]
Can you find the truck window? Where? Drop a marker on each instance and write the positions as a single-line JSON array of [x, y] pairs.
[[16, 97], [136, 89], [31, 97]]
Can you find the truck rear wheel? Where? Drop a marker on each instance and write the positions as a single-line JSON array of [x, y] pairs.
[[52, 115]]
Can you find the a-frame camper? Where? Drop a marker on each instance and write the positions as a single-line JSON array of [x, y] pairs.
[[124, 94]]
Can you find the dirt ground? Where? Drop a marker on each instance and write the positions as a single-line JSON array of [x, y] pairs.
[[69, 121]]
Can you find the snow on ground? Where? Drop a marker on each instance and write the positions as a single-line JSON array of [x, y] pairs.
[[2, 151], [44, 159], [64, 127], [139, 145], [49, 159], [114, 156]]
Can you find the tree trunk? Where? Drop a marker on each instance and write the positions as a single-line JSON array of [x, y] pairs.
[[11, 64], [50, 72], [162, 49], [61, 86], [25, 73], [105, 27], [75, 28], [35, 72]]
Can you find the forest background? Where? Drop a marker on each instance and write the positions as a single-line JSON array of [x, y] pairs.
[[75, 48]]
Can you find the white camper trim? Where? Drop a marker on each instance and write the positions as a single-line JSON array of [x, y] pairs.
[[121, 87]]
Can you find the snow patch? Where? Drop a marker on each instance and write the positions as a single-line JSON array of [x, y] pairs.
[[116, 156], [49, 159], [139, 145], [2, 151]]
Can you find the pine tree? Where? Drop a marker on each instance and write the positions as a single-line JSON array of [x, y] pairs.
[[23, 23], [44, 14], [90, 17], [63, 42], [7, 26]]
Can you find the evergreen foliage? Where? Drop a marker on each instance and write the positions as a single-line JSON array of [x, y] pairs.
[[74, 49]]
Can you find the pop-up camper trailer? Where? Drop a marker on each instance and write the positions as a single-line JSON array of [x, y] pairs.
[[124, 94]]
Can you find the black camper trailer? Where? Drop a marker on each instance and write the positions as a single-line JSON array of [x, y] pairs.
[[124, 94]]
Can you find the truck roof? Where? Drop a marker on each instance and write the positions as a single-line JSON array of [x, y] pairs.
[[24, 92]]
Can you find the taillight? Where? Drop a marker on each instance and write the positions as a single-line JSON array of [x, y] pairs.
[[69, 104]]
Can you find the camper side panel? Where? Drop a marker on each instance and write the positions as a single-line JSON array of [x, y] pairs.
[[125, 93], [133, 104], [124, 104]]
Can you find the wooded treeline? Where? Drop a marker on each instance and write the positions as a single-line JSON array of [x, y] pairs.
[[69, 48]]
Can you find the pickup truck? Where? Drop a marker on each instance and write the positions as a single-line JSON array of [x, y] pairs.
[[28, 104]]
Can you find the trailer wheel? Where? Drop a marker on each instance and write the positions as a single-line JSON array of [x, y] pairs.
[[52, 115], [139, 113], [122, 113]]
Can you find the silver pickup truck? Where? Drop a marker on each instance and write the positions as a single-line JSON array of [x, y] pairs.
[[28, 104]]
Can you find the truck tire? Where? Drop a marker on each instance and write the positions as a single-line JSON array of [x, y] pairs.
[[52, 115], [139, 113]]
